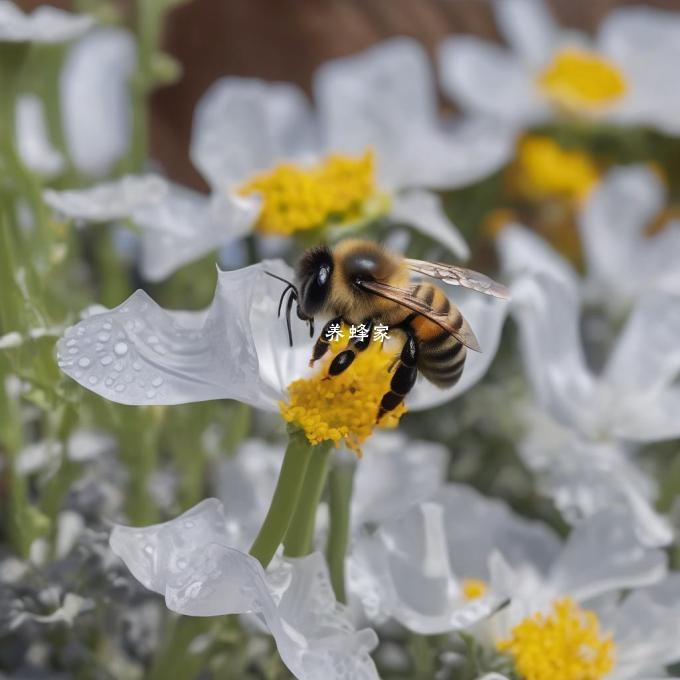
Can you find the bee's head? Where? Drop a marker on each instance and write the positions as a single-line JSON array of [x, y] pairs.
[[313, 274]]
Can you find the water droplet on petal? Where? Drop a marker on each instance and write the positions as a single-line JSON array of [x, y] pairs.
[[103, 337], [157, 382], [93, 379], [120, 387], [118, 366], [73, 350], [71, 342], [148, 549], [107, 326], [188, 524], [120, 348], [99, 347], [160, 349], [152, 339], [106, 360], [108, 382], [150, 394], [137, 366], [84, 362]]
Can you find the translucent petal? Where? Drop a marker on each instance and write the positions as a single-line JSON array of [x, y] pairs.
[[604, 554], [139, 353], [394, 474], [95, 103], [486, 79], [528, 27], [423, 211], [647, 354], [118, 199], [43, 25], [522, 251], [243, 126], [643, 42], [649, 417], [584, 478], [189, 560], [613, 222], [377, 99], [486, 315], [187, 225], [547, 313], [33, 142], [402, 571], [489, 525]]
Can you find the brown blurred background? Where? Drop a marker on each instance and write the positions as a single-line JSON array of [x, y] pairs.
[[288, 39]]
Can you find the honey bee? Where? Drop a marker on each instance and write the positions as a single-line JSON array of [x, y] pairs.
[[361, 282]]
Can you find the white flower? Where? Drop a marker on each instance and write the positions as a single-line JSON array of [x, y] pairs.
[[191, 561], [140, 353], [625, 75], [43, 25], [624, 261], [582, 435], [580, 594], [249, 135], [33, 143]]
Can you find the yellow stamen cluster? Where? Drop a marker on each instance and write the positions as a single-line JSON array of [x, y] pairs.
[[344, 407], [337, 191], [474, 588], [565, 644], [579, 80], [544, 169]]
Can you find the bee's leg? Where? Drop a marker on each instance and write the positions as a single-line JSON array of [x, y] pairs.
[[345, 358], [322, 343], [404, 376]]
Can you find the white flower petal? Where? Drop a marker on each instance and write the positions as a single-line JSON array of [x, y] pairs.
[[547, 313], [643, 43], [477, 526], [524, 252], [650, 417], [243, 126], [402, 571], [114, 200], [187, 225], [613, 222], [487, 79], [33, 142], [528, 27], [423, 211], [454, 155], [646, 629], [376, 99], [395, 474], [646, 356], [486, 316], [604, 554], [189, 560], [95, 102], [584, 478], [43, 25], [139, 353]]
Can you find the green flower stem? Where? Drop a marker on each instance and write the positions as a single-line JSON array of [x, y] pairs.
[[300, 534], [340, 486], [286, 494]]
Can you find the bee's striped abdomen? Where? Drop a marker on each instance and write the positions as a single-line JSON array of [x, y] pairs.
[[441, 357]]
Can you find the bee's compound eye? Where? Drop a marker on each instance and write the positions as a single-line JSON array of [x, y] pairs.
[[322, 276]]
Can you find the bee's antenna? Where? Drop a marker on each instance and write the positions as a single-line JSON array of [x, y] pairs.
[[292, 297], [280, 278]]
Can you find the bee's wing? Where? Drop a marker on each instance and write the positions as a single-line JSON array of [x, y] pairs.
[[405, 298], [459, 276]]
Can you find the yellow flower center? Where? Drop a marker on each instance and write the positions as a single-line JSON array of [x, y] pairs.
[[565, 644], [474, 588], [543, 168], [579, 79], [339, 191], [344, 407]]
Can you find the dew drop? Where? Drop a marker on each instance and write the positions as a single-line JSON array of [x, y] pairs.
[[93, 379], [81, 331], [99, 347], [120, 348], [73, 350], [108, 382], [188, 524], [118, 366], [84, 362], [150, 394], [71, 342], [160, 349], [181, 563], [120, 387], [103, 337], [78, 374], [106, 360], [152, 339], [107, 326], [148, 549], [157, 382], [137, 366]]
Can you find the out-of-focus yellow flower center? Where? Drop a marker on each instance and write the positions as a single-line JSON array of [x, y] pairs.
[[338, 191], [565, 644], [543, 168], [578, 79], [474, 588], [344, 407]]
